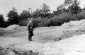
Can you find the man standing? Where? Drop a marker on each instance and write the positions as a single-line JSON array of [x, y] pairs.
[[30, 29]]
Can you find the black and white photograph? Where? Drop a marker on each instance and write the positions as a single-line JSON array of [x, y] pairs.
[[42, 27]]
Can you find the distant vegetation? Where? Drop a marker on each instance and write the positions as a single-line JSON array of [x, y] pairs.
[[65, 12]]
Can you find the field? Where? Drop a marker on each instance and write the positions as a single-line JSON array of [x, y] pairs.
[[67, 39]]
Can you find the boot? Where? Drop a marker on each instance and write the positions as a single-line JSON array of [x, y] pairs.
[[30, 38]]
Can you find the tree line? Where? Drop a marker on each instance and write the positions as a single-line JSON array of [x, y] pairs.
[[43, 17]]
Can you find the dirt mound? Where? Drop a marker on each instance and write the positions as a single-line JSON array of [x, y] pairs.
[[12, 27], [16, 27], [72, 24]]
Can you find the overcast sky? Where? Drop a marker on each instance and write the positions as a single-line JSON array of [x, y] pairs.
[[6, 5]]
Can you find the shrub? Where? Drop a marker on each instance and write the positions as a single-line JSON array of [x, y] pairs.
[[54, 21], [44, 22], [37, 22], [23, 22]]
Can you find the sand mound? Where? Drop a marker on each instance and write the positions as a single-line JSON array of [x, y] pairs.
[[16, 27], [72, 24], [11, 27]]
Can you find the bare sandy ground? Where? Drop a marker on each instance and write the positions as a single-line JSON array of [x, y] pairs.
[[46, 40]]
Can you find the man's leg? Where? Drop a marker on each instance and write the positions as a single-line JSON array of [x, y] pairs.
[[30, 37]]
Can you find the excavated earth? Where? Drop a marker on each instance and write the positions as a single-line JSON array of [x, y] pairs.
[[67, 39]]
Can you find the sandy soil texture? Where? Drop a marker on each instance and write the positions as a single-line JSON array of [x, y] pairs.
[[67, 39]]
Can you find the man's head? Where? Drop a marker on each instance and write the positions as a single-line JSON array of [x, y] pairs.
[[30, 20]]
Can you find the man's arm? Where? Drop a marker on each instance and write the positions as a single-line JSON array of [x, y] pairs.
[[27, 26]]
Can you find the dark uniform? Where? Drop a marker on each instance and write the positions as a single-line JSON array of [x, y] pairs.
[[30, 30]]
